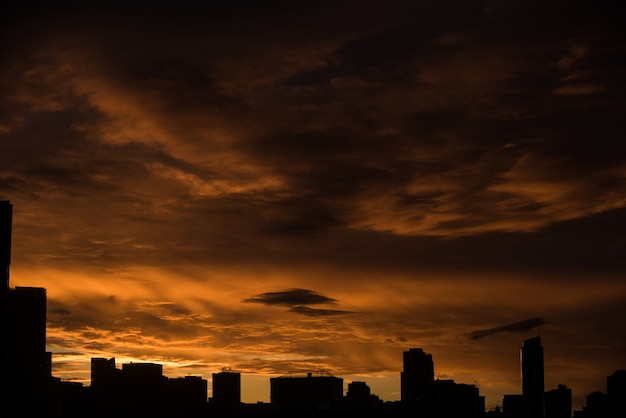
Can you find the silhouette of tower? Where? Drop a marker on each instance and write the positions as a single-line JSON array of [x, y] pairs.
[[6, 214], [226, 388], [531, 355], [25, 366], [616, 393], [418, 372], [6, 218]]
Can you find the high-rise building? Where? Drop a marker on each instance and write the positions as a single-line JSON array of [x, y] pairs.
[[25, 366], [616, 393], [418, 372], [6, 216], [531, 356], [226, 388]]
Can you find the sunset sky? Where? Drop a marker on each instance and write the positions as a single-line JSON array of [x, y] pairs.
[[281, 187]]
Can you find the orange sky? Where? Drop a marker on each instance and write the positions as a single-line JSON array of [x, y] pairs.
[[277, 187]]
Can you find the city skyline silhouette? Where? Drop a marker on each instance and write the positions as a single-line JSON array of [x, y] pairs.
[[139, 389], [278, 187]]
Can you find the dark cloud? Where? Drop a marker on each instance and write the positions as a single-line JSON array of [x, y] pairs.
[[292, 297], [521, 326], [297, 300], [305, 310]]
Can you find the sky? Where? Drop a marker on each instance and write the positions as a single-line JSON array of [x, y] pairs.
[[282, 187]]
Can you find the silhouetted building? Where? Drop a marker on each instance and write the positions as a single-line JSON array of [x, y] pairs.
[[447, 399], [141, 390], [226, 388], [596, 406], [418, 372], [558, 402], [186, 396], [358, 391], [26, 367], [514, 406], [532, 376], [317, 392], [6, 223], [494, 413], [103, 372], [67, 399], [616, 393]]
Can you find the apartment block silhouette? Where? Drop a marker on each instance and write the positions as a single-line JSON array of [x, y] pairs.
[[25, 366], [226, 389], [418, 371]]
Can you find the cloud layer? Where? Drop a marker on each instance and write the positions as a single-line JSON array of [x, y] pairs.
[[183, 176]]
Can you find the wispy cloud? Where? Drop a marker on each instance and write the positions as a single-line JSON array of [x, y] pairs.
[[305, 310], [521, 326]]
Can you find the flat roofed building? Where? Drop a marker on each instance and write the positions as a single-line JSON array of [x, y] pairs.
[[289, 390], [531, 356], [226, 388]]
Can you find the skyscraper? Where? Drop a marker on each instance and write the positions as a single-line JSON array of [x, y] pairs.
[[226, 388], [616, 393], [531, 355], [418, 372], [6, 217], [25, 366]]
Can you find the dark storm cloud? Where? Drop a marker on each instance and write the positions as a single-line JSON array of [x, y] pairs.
[[521, 326], [305, 310], [297, 300], [291, 297]]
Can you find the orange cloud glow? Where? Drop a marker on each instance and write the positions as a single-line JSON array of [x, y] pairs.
[[237, 188]]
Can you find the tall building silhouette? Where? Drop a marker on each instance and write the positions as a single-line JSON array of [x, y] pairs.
[[26, 367], [418, 372], [531, 356], [6, 220], [226, 388], [616, 393]]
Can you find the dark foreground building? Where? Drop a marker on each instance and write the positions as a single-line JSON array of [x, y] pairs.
[[423, 396], [141, 390], [418, 372], [226, 398], [25, 366], [532, 377], [308, 392]]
